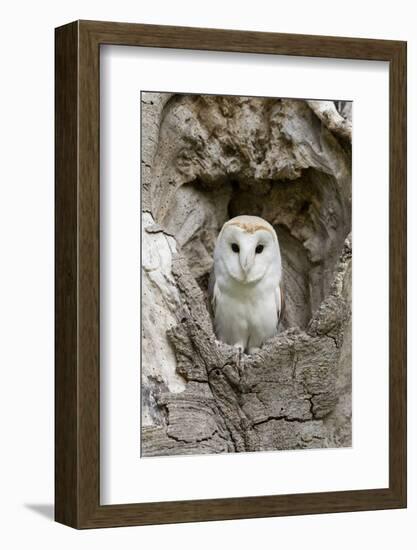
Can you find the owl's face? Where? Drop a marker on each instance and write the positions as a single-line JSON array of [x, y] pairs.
[[247, 248]]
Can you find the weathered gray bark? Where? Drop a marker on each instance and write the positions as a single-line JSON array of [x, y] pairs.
[[206, 159]]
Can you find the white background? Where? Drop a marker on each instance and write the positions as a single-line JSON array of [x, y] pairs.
[[125, 478], [26, 287]]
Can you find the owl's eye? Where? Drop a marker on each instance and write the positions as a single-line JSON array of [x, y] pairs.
[[259, 248], [235, 247]]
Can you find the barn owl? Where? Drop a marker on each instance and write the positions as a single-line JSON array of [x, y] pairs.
[[245, 284]]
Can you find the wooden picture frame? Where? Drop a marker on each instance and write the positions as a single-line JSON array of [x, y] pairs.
[[77, 374]]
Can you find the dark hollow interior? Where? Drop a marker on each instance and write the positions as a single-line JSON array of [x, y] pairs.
[[309, 214]]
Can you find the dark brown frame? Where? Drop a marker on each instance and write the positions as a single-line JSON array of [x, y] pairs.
[[77, 274]]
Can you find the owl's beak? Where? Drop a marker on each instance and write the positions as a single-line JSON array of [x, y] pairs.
[[246, 261]]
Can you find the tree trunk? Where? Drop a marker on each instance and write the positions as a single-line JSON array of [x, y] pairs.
[[206, 159]]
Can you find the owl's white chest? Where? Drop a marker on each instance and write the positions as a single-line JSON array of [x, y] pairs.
[[245, 315]]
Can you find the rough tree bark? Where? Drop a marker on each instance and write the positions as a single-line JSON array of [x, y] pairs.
[[206, 159]]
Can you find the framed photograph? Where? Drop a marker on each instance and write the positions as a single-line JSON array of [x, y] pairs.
[[230, 274]]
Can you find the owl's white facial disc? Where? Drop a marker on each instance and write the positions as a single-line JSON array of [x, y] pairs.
[[246, 255]]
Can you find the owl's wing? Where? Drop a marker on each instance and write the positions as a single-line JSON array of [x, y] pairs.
[[280, 302]]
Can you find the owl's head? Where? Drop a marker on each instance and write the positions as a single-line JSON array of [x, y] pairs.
[[247, 247]]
